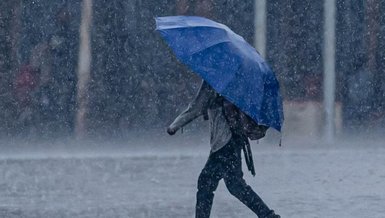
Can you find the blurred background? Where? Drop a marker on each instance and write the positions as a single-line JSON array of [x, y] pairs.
[[97, 70], [126, 78]]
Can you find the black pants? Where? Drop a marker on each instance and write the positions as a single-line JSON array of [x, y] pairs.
[[227, 164]]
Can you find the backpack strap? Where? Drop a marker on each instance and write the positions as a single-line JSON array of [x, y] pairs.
[[248, 155], [233, 114]]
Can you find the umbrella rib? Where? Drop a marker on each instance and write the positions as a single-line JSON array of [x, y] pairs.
[[161, 27], [207, 47]]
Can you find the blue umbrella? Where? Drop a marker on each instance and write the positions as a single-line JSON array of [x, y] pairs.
[[228, 63]]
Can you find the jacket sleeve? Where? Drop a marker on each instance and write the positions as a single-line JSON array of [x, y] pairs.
[[196, 108]]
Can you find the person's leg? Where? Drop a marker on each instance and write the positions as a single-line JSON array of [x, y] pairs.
[[207, 183], [237, 186]]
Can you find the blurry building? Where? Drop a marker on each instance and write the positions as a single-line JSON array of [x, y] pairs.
[[294, 48], [137, 83]]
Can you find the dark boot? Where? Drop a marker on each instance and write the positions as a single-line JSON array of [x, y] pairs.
[[203, 205], [272, 215]]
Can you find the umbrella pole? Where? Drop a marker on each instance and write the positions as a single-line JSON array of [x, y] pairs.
[[329, 69]]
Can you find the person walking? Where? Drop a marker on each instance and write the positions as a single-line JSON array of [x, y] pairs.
[[224, 161]]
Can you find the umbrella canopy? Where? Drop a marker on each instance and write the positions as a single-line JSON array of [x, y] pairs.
[[228, 63]]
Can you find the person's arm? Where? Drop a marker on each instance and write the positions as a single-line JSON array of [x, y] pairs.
[[195, 109]]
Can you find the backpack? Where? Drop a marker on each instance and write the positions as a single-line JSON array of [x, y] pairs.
[[241, 123]]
